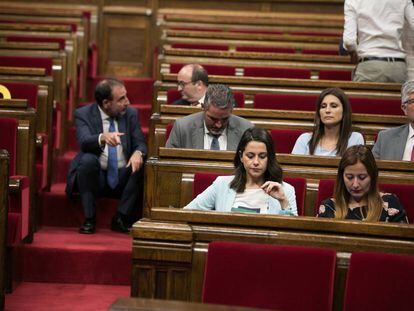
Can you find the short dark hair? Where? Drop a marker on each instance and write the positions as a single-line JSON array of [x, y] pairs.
[[103, 89], [273, 171], [345, 129], [199, 74], [220, 96]]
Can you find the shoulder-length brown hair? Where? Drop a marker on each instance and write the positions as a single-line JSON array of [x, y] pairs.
[[273, 171], [353, 155], [345, 129]]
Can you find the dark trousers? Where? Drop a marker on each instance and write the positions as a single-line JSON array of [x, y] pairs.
[[92, 184]]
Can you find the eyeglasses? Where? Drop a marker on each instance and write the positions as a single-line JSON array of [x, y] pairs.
[[182, 84], [408, 102]]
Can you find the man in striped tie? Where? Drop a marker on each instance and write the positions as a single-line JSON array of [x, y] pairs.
[[111, 156]]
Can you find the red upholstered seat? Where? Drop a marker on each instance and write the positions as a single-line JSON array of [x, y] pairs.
[[203, 180], [380, 282], [25, 61], [219, 70], [200, 46], [384, 106], [168, 130], [341, 75], [18, 203], [174, 94], [139, 90], [264, 49], [284, 139], [320, 52], [402, 191], [272, 72], [269, 276], [285, 102]]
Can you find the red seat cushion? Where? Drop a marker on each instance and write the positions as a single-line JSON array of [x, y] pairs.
[[139, 90], [8, 140], [174, 94], [269, 276], [264, 49], [23, 90], [380, 282], [200, 46], [26, 61], [299, 184], [384, 106], [272, 72], [341, 75], [284, 139], [211, 69], [285, 102]]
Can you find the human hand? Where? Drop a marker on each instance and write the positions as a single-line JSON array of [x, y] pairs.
[[135, 161], [111, 138], [354, 57], [275, 190]]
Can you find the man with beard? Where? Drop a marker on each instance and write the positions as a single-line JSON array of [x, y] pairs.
[[111, 157], [214, 128]]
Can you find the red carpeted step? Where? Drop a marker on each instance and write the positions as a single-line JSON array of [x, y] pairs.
[[62, 297], [62, 255], [55, 209], [61, 166]]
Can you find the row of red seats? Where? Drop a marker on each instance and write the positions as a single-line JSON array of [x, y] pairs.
[[307, 102], [325, 190], [302, 278], [272, 72]]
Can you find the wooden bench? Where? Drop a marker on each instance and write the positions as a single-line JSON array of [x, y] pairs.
[[169, 176], [169, 250]]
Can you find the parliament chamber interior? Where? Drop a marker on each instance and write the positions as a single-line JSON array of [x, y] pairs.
[[276, 56]]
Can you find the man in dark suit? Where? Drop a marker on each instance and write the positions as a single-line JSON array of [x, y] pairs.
[[111, 157], [192, 82]]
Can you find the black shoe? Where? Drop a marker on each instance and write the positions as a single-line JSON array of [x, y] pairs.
[[88, 226], [119, 225]]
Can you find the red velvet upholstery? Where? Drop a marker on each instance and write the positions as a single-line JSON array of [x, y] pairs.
[[269, 276], [93, 61], [174, 94], [211, 69], [139, 90], [25, 61], [251, 30], [19, 203], [168, 130], [285, 102], [341, 75], [22, 90], [61, 41], [316, 33], [402, 191], [320, 52], [299, 184], [384, 106], [203, 180], [284, 139], [273, 72], [264, 49], [194, 46], [380, 282]]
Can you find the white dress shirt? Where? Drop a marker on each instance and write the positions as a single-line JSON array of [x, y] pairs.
[[375, 27], [103, 159], [409, 144], [208, 139]]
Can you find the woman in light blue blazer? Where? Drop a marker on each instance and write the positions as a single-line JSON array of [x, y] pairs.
[[256, 186]]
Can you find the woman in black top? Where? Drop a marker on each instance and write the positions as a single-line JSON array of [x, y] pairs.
[[356, 194]]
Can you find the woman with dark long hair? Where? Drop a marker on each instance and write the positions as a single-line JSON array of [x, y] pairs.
[[356, 194], [256, 185], [332, 132]]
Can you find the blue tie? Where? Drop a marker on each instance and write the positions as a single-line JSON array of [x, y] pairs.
[[215, 143], [112, 170]]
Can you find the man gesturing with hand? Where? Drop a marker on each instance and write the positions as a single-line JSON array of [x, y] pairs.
[[112, 153]]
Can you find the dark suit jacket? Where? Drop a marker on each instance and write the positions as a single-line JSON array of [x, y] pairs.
[[88, 127], [181, 102]]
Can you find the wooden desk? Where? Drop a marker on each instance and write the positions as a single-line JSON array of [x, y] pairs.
[[141, 304]]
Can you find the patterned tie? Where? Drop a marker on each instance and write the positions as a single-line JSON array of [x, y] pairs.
[[215, 143], [112, 170]]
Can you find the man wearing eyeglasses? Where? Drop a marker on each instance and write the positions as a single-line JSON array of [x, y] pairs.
[[214, 128], [398, 143], [192, 82]]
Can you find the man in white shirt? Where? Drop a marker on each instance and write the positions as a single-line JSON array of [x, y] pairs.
[[214, 128], [192, 82], [373, 36], [397, 143]]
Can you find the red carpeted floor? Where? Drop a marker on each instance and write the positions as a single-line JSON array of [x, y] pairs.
[[64, 297], [65, 270]]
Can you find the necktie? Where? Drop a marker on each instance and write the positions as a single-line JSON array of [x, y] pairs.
[[112, 170], [215, 143]]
